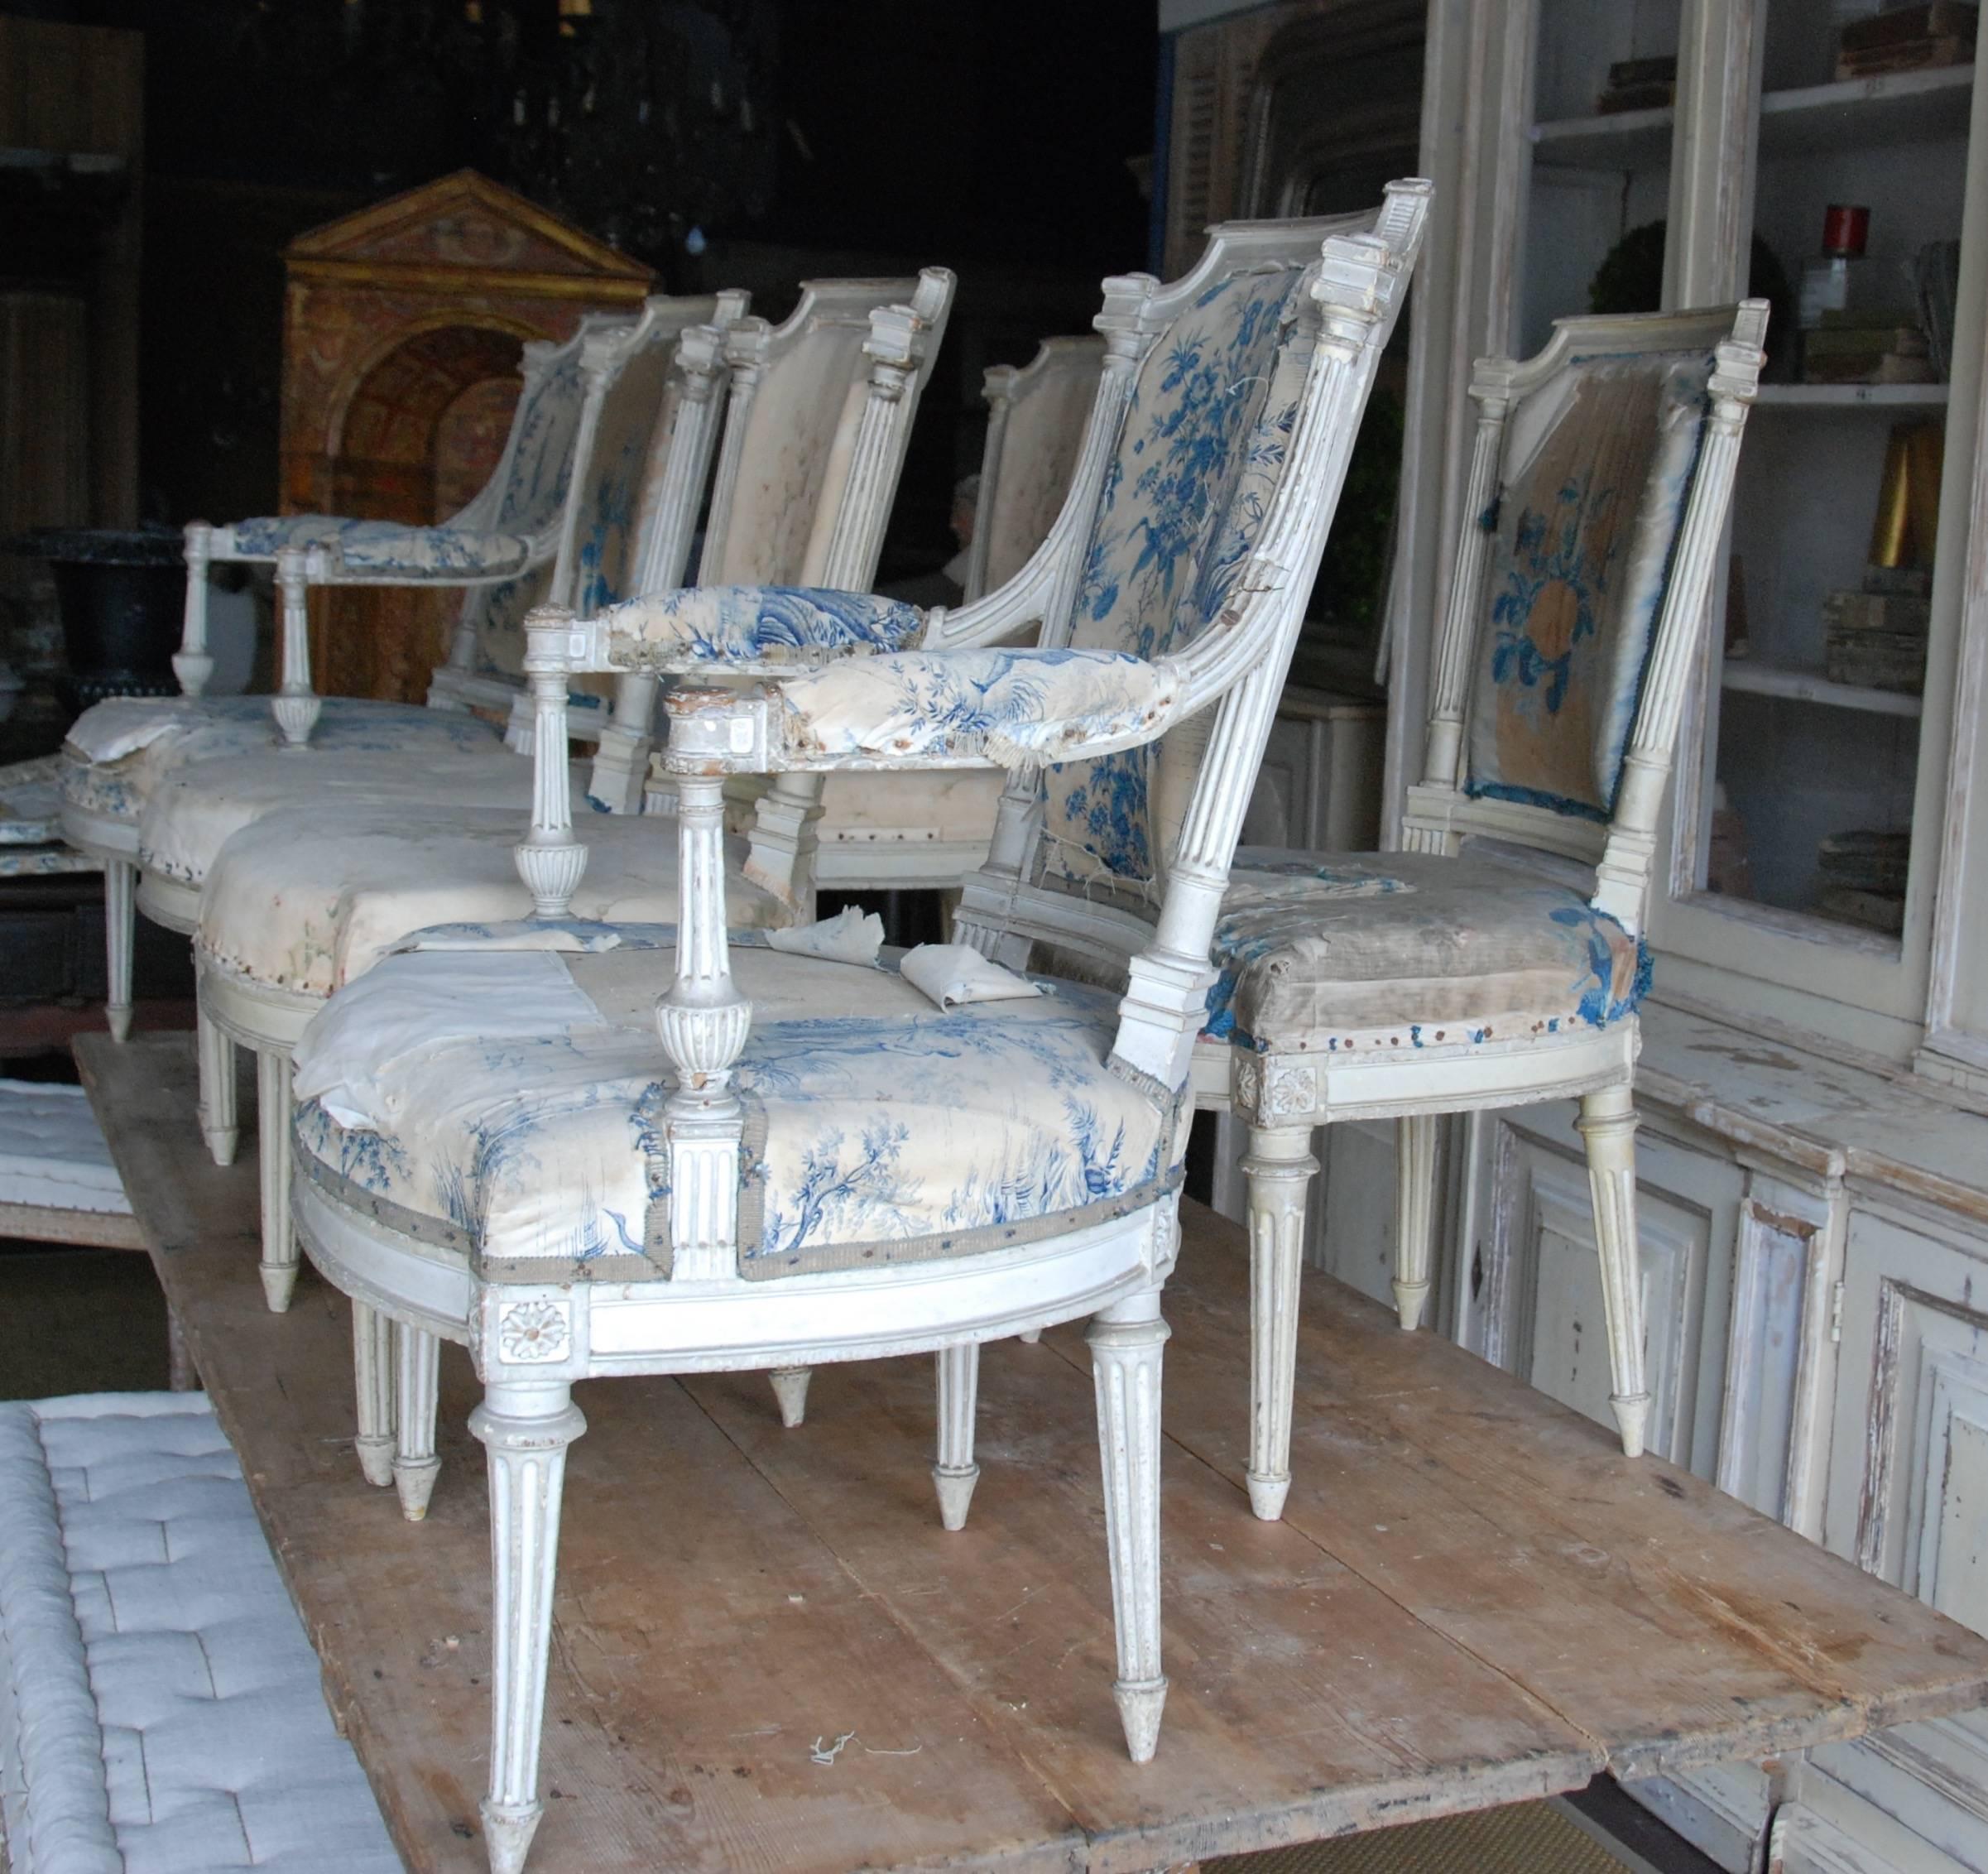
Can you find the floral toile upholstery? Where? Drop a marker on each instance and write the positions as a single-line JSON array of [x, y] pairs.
[[1021, 706], [509, 1104], [1326, 954], [757, 624], [309, 898], [117, 753], [377, 548], [1583, 532]]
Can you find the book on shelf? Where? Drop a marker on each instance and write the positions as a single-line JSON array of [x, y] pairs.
[[1863, 876], [1639, 84], [1883, 347], [1876, 640], [1895, 25], [1908, 55]]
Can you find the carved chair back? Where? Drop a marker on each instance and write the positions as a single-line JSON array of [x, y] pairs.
[[1599, 484], [783, 506], [1036, 418], [599, 402]]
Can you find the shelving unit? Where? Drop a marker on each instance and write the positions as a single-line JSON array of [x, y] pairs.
[[1811, 686]]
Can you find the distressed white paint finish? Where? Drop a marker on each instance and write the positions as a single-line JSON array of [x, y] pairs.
[[295, 705], [1288, 1083], [526, 1428], [372, 1336], [1280, 1167], [417, 1364], [1127, 1341], [219, 1122], [954, 1472], [273, 1147], [120, 927]]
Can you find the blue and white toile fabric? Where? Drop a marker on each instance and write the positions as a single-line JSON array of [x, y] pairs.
[[757, 624], [1205, 441], [508, 1104], [1584, 533], [378, 549], [1351, 951], [1021, 707], [117, 753]]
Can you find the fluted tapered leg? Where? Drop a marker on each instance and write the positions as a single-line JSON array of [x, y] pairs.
[[120, 929], [1279, 1166], [1125, 1343], [1608, 1125], [791, 1391], [526, 1430], [1414, 1214], [220, 1124], [272, 1146], [416, 1372], [372, 1386], [955, 1472]]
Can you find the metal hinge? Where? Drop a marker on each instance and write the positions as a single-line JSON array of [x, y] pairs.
[[1835, 1311]]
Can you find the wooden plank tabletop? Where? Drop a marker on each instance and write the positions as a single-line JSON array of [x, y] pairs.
[[1473, 1599]]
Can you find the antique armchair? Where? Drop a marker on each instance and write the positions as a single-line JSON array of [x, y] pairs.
[[1464, 973], [582, 430], [294, 902], [835, 1169]]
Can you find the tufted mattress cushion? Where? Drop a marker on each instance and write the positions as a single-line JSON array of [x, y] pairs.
[[160, 1710], [116, 753], [52, 1150]]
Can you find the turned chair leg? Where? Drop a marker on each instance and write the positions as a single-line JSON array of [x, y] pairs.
[[372, 1385], [1125, 1343], [526, 1430], [272, 1146], [220, 1124], [955, 1472], [1279, 1166], [417, 1379], [790, 1391], [1608, 1125], [1030, 1336], [120, 932], [1414, 1214], [295, 704]]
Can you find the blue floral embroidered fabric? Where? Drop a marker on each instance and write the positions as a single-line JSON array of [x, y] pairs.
[[757, 624], [1205, 439], [1583, 534]]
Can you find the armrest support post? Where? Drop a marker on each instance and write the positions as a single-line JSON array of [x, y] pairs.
[[550, 861], [295, 705], [703, 1021], [192, 665]]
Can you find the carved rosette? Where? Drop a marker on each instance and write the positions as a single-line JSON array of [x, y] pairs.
[[532, 1332], [1267, 1090]]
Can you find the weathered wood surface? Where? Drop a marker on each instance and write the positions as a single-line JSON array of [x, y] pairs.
[[1473, 1599]]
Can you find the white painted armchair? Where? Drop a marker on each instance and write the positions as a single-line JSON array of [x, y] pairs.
[[830, 1167], [588, 412]]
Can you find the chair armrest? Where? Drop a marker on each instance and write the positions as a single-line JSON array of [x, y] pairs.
[[754, 627], [1014, 707]]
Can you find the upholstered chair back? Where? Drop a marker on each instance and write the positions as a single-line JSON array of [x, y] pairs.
[[1036, 416], [797, 390], [1602, 474], [1196, 459]]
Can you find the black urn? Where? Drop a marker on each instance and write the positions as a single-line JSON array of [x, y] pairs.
[[122, 592]]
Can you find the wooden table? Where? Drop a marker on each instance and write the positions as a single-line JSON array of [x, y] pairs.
[[767, 1655]]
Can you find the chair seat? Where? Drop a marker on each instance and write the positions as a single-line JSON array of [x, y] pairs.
[[117, 751], [378, 549], [1321, 953], [192, 813], [507, 1103], [309, 898]]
